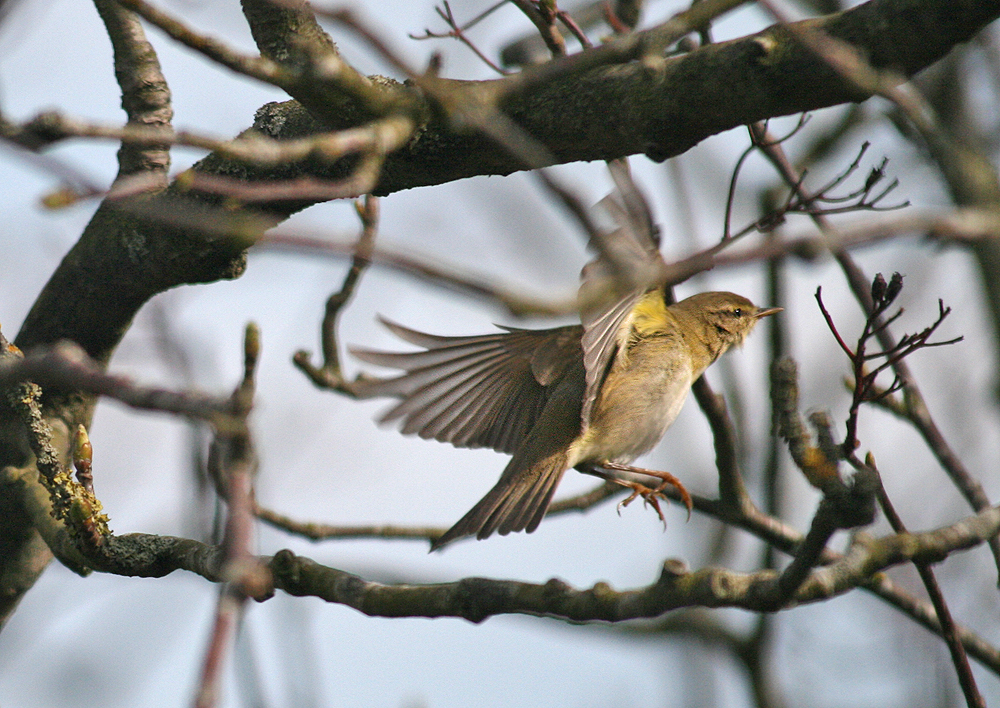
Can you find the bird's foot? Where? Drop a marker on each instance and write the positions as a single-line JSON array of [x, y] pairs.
[[651, 495]]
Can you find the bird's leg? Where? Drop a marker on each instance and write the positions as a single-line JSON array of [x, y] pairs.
[[649, 495]]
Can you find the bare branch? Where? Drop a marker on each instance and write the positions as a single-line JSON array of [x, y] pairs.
[[145, 95], [861, 287], [329, 374], [457, 31], [66, 365], [517, 304], [949, 631], [476, 599], [232, 462], [317, 531]]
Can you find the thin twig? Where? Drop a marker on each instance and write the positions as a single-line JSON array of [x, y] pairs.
[[518, 304], [256, 67], [476, 599], [457, 31], [66, 366], [732, 489], [971, 489], [383, 135], [544, 22], [949, 633], [329, 374], [231, 462], [317, 531]]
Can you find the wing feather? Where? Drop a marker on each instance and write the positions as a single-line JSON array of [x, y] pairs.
[[482, 391], [462, 410]]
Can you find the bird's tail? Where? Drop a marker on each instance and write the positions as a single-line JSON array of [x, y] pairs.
[[516, 503]]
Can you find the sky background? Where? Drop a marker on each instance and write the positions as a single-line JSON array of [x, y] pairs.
[[130, 642]]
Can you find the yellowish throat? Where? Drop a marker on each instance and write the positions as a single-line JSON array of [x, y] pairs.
[[579, 396]]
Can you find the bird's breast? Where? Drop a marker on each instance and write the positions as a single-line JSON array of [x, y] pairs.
[[640, 398]]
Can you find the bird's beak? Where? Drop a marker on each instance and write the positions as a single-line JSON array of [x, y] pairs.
[[769, 311]]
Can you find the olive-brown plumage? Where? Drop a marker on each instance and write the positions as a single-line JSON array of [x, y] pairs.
[[522, 391], [582, 396]]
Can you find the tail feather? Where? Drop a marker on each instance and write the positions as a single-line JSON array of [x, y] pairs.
[[532, 507], [516, 503]]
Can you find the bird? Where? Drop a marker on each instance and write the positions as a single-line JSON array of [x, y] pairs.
[[586, 396]]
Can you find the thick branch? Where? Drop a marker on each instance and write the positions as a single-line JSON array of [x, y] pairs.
[[664, 111], [145, 94], [476, 599]]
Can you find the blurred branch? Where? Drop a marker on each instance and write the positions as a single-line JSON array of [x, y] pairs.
[[582, 18], [66, 365], [964, 225], [232, 461], [949, 631], [958, 226], [517, 304], [323, 77], [544, 20], [923, 612], [329, 374], [319, 531], [756, 68], [755, 650], [287, 31], [316, 531], [382, 136], [732, 491], [459, 106]]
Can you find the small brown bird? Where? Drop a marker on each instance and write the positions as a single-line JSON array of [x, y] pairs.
[[603, 392]]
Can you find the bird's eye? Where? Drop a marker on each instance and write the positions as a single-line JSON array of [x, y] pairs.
[[738, 312]]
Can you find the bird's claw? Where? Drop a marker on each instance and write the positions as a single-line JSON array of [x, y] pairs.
[[649, 497]]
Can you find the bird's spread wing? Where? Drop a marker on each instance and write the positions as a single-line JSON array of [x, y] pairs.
[[627, 267], [519, 500], [483, 391]]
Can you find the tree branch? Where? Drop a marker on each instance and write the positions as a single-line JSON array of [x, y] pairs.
[[145, 94], [476, 599]]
